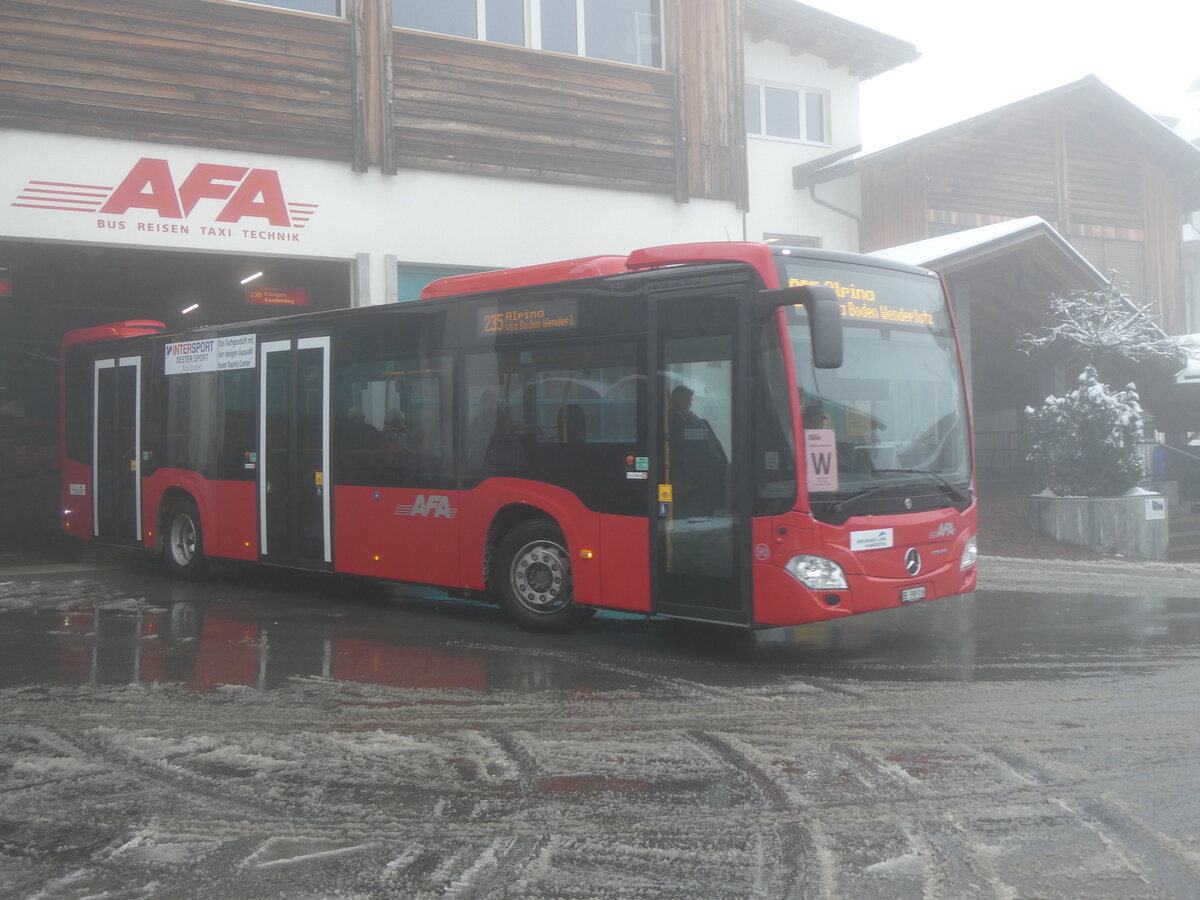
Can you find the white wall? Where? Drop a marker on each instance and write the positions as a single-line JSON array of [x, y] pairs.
[[55, 188], [775, 206]]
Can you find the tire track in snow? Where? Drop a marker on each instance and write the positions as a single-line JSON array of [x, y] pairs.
[[796, 871], [1145, 852]]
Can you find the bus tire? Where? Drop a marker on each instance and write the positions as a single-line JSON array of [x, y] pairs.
[[183, 541], [532, 577]]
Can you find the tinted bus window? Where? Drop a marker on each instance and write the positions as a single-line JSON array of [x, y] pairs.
[[209, 424], [392, 407], [567, 414], [79, 407]]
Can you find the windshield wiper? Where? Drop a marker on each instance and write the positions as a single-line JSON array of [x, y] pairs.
[[861, 495], [854, 499], [950, 489]]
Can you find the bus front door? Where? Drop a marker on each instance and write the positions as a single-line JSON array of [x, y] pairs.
[[698, 532], [117, 450], [294, 494]]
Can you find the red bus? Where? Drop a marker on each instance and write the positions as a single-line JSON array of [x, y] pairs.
[[725, 432]]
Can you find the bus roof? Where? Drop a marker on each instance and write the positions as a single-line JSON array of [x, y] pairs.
[[128, 328], [758, 256]]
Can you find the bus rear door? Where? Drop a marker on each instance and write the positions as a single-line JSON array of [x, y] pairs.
[[117, 450]]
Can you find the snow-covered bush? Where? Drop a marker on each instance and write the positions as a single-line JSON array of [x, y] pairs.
[[1086, 443], [1103, 325]]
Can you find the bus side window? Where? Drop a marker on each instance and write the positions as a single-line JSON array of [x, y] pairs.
[[561, 412], [239, 403], [393, 426], [79, 405]]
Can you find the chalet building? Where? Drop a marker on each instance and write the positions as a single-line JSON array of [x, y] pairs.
[[1053, 193], [1185, 122]]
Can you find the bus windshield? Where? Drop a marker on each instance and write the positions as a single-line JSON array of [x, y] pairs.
[[894, 415]]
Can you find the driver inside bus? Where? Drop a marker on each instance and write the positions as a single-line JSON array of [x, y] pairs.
[[698, 461], [489, 420]]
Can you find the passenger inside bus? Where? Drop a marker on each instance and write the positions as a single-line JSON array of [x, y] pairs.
[[358, 433], [395, 430]]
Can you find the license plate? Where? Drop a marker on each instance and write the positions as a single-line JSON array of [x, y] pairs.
[[912, 595]]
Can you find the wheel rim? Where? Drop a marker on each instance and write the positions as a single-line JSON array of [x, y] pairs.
[[183, 539], [541, 577]]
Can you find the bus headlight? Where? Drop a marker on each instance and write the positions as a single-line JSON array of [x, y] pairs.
[[970, 554], [817, 573]]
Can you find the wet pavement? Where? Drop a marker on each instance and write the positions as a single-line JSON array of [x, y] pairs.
[[272, 734]]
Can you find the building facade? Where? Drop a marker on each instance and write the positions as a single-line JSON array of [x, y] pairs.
[[161, 151], [209, 161]]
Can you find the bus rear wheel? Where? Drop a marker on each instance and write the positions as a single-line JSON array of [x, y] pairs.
[[183, 544], [533, 578]]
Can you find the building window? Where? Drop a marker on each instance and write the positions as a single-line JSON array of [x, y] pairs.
[[412, 279], [791, 240], [626, 31], [322, 7], [794, 114]]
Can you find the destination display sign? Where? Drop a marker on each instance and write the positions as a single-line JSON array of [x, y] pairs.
[[269, 296], [874, 295], [215, 354], [529, 318]]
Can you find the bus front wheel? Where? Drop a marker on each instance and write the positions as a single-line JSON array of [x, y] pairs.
[[533, 578], [183, 546]]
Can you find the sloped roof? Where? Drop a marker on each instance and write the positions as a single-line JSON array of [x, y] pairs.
[[951, 253], [863, 51], [1151, 137]]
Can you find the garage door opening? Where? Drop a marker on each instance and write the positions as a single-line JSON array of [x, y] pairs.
[[53, 288]]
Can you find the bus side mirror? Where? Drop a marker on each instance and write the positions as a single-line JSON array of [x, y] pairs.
[[824, 318]]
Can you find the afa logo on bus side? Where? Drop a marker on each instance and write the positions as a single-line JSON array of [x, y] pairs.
[[435, 506]]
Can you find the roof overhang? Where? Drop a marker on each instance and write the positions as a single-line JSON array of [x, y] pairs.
[[1032, 238], [863, 51]]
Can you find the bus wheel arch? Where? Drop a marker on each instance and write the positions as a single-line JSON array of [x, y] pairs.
[[530, 573], [181, 533]]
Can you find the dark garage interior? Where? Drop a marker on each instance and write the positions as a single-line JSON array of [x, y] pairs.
[[53, 288]]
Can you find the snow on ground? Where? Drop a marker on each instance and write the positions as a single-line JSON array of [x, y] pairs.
[[604, 765], [1114, 577]]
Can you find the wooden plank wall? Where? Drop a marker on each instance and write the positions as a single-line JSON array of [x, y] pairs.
[[1007, 171], [1164, 256], [240, 77], [179, 71], [894, 203], [468, 106], [1071, 166], [1103, 184], [712, 102]]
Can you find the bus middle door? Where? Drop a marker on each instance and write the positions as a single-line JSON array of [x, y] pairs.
[[294, 497]]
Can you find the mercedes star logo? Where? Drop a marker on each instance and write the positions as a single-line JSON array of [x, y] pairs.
[[912, 561]]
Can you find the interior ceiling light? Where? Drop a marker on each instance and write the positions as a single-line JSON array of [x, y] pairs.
[[250, 278], [191, 308]]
